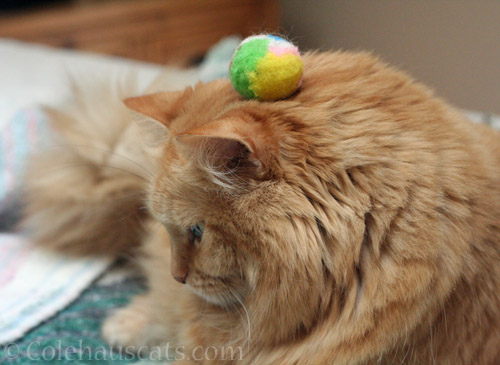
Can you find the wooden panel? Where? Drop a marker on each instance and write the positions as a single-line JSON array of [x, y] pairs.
[[150, 30]]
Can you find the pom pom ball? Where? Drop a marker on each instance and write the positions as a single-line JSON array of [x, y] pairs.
[[266, 67]]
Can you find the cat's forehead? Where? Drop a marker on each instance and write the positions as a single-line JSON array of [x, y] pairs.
[[180, 193], [206, 102], [211, 96]]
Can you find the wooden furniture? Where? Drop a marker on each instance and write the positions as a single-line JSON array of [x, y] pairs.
[[161, 31]]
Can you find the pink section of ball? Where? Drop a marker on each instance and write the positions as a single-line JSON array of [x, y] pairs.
[[280, 51]]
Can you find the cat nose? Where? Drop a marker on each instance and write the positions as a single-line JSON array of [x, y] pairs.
[[181, 277], [180, 263]]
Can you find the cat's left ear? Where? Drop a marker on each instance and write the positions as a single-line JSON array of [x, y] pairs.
[[230, 141], [162, 106]]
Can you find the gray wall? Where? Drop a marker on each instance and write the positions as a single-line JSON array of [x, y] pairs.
[[451, 45]]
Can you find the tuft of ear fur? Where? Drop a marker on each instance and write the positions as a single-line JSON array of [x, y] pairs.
[[230, 143], [153, 136], [161, 106]]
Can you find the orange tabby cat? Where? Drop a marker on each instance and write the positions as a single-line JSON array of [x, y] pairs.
[[357, 221]]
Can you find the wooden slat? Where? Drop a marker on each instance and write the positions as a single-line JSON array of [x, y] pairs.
[[149, 30], [64, 18], [188, 23]]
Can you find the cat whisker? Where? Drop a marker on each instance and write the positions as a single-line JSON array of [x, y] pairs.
[[241, 269], [54, 146], [76, 165], [249, 325]]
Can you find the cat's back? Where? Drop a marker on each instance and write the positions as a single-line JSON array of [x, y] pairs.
[[440, 171], [362, 95]]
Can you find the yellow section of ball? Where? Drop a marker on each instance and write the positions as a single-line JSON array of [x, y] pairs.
[[276, 77]]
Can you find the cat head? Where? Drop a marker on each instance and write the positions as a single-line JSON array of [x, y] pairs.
[[241, 230]]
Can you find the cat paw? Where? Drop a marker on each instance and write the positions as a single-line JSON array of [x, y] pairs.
[[132, 329]]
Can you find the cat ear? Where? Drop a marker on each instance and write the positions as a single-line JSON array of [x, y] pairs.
[[162, 106], [229, 141]]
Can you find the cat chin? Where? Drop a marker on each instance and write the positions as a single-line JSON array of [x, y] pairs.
[[222, 299]]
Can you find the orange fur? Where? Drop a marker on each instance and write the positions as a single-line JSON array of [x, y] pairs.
[[91, 176], [354, 222]]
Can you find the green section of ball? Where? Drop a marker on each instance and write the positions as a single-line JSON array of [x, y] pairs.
[[244, 61]]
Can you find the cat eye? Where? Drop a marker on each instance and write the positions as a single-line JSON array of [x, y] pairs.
[[196, 231]]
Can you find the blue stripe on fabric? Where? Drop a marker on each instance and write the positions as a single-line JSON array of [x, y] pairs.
[[3, 167], [17, 132], [20, 137]]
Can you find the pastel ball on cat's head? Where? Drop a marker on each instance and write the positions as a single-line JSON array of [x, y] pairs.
[[266, 67]]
